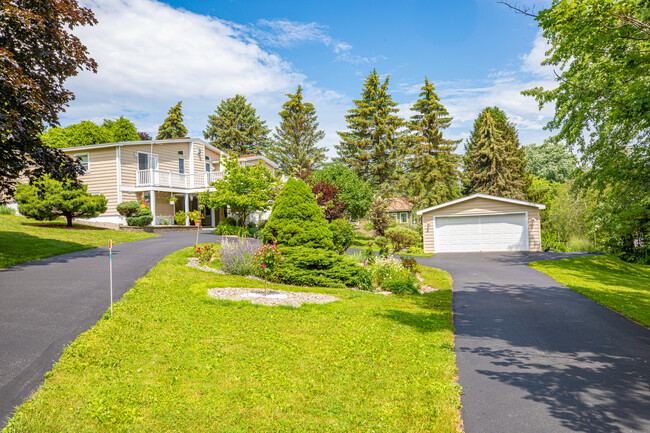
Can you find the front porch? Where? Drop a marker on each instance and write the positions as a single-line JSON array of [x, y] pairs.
[[164, 209]]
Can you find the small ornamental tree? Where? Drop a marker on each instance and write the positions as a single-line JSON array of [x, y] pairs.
[[245, 189], [378, 216], [353, 191], [296, 219], [48, 199], [327, 197], [268, 258]]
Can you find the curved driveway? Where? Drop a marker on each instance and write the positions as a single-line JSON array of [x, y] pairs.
[[534, 356], [45, 304]]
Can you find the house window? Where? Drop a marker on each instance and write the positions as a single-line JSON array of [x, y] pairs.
[[84, 161], [147, 161], [404, 216], [181, 153], [181, 165]]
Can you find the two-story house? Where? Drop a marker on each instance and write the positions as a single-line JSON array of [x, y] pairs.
[[153, 171]]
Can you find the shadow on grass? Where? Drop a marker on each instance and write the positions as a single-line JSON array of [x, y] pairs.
[[18, 250]]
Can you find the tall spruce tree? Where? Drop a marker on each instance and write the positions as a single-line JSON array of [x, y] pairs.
[[491, 165], [371, 145], [173, 126], [510, 136], [294, 145], [237, 128], [433, 168]]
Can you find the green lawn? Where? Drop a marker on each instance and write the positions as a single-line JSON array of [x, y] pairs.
[[173, 359], [623, 287], [23, 240]]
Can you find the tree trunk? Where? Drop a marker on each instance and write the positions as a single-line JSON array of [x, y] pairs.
[[69, 219]]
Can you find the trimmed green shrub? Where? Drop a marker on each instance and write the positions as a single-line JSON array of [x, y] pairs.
[[296, 219], [319, 267], [49, 199], [143, 218], [6, 210], [180, 217], [402, 237], [401, 287], [415, 250], [381, 242], [230, 230], [342, 234], [129, 208]]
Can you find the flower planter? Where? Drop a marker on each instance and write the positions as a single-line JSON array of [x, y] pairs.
[[197, 223]]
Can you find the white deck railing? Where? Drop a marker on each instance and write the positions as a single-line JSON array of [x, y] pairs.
[[172, 179]]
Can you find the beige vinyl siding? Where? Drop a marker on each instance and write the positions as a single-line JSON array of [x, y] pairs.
[[199, 159], [167, 159], [102, 175], [480, 205], [162, 203], [215, 159]]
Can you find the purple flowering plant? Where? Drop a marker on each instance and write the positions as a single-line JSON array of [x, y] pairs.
[[238, 258]]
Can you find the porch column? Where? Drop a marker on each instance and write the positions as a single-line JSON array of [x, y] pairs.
[[152, 206], [212, 215], [187, 209]]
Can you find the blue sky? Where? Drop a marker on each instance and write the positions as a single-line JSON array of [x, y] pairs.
[[152, 54]]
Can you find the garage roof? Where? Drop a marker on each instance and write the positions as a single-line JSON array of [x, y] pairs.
[[491, 197]]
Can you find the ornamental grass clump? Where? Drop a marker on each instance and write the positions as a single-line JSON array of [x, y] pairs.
[[237, 258]]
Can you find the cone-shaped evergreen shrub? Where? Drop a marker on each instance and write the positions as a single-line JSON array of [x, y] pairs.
[[296, 219]]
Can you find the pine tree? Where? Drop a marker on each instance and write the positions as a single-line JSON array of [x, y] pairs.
[[510, 135], [294, 146], [236, 127], [173, 126], [492, 167], [371, 144], [433, 174]]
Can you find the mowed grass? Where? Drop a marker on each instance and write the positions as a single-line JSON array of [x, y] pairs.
[[23, 240], [623, 287], [171, 359]]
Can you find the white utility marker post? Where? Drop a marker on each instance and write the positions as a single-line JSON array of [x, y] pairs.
[[110, 270]]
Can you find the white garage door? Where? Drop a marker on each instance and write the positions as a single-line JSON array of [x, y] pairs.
[[506, 232]]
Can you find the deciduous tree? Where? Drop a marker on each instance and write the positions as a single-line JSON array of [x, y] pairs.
[[353, 191], [38, 52], [294, 141], [237, 128], [551, 161], [245, 189], [327, 197]]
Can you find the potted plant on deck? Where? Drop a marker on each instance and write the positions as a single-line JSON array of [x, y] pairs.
[[173, 199], [195, 215]]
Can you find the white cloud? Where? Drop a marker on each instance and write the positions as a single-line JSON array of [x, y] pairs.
[[151, 55], [532, 61]]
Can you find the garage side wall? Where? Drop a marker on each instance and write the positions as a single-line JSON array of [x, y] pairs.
[[481, 205]]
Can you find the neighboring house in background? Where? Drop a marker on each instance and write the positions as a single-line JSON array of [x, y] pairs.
[[482, 222], [152, 171], [400, 209]]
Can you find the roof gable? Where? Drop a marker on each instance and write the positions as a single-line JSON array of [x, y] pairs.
[[486, 196]]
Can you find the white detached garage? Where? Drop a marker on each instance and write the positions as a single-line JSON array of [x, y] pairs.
[[482, 222]]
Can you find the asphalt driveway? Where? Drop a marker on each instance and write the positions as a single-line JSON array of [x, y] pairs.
[[534, 356], [45, 304]]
